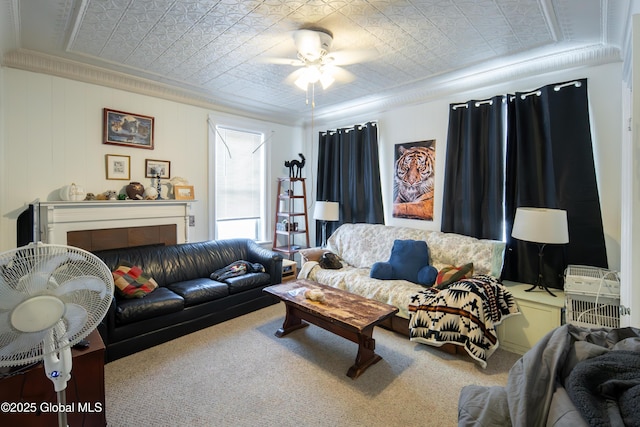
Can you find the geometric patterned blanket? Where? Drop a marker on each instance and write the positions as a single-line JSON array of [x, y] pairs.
[[465, 314]]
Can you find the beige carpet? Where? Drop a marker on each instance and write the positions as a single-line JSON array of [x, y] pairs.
[[239, 374]]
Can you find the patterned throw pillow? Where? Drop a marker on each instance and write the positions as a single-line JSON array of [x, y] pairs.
[[131, 282], [452, 274]]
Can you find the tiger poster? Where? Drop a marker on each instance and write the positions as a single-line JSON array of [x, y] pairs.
[[413, 180]]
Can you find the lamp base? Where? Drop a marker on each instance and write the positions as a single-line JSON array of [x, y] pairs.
[[540, 286], [324, 234]]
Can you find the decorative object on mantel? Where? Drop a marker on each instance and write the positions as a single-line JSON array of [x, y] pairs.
[[158, 188], [173, 182], [135, 191], [72, 193], [118, 167], [107, 195], [150, 193], [128, 129], [183, 192]]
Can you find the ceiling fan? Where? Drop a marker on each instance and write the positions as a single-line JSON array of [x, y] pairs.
[[318, 64]]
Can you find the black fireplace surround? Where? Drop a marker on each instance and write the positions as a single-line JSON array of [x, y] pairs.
[[186, 299]]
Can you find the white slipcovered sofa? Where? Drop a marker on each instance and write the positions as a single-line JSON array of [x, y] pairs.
[[361, 245], [462, 316]]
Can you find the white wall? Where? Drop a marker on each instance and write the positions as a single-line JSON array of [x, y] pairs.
[[52, 136], [429, 120]]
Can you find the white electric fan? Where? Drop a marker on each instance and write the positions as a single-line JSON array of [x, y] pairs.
[[51, 297]]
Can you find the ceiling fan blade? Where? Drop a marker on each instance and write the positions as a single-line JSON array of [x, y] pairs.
[[81, 283], [281, 61], [348, 57]]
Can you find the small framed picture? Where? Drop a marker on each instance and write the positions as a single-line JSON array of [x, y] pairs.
[[118, 167], [153, 168], [183, 192], [128, 129]]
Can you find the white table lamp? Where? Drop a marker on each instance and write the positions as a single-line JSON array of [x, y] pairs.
[[542, 226], [326, 211]]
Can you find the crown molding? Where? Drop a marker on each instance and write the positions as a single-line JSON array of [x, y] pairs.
[[492, 73], [61, 67]]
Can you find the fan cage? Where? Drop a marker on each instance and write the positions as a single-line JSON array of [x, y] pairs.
[[16, 268]]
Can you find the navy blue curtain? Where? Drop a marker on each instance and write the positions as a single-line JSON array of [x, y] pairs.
[[550, 164], [349, 173], [474, 173]]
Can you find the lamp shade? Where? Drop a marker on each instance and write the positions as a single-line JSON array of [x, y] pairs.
[[541, 225], [326, 211]]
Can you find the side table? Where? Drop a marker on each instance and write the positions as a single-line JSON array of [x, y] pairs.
[[289, 270], [541, 313], [32, 392]]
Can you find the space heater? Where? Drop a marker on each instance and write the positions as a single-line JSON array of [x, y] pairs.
[[592, 296]]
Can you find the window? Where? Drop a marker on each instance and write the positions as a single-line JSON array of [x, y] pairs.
[[239, 184]]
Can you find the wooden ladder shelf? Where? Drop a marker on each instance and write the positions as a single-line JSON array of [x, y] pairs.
[[291, 208]]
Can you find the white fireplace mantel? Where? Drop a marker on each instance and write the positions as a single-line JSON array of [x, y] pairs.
[[58, 218]]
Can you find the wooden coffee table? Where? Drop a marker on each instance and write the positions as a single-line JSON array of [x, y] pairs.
[[342, 313]]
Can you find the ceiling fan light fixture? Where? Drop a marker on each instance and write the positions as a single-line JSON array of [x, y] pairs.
[[312, 74], [326, 80], [302, 82]]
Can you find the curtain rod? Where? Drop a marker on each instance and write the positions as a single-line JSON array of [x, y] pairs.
[[538, 92], [535, 92], [575, 83], [556, 88], [350, 128], [477, 103]]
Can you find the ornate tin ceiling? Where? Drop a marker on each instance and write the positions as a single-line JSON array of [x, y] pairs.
[[215, 51]]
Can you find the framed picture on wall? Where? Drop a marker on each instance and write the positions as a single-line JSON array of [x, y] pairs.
[[128, 129], [183, 192], [118, 167], [153, 168], [413, 180]]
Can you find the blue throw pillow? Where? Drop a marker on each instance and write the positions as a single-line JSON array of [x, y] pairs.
[[409, 261], [382, 271]]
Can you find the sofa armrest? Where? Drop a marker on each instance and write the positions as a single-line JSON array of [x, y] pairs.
[[312, 254], [271, 261], [108, 323]]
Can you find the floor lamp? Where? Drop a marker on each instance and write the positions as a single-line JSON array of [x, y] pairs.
[[542, 226], [326, 211]]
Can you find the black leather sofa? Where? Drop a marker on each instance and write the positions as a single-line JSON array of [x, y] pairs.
[[186, 299]]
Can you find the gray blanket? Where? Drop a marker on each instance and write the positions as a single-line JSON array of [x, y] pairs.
[[606, 388], [535, 393]]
